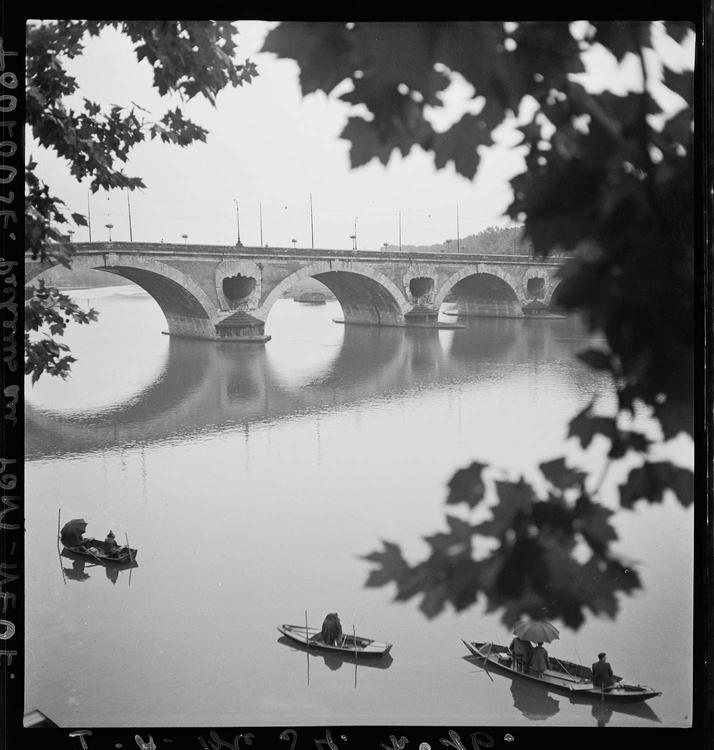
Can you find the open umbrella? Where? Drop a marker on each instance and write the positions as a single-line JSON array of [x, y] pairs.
[[72, 531], [538, 631]]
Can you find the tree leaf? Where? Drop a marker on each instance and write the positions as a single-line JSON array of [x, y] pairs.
[[560, 475], [459, 144], [585, 427], [650, 481], [467, 486], [681, 83]]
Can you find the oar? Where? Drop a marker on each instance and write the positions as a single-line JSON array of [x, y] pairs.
[[485, 661], [59, 553], [307, 648], [555, 658], [354, 637]]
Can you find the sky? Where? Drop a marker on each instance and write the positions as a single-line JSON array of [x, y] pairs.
[[269, 148]]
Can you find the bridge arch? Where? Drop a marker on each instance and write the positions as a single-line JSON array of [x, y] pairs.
[[553, 292], [365, 294], [187, 308], [488, 293]]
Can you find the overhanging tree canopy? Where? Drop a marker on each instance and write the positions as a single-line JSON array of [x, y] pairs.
[[609, 179], [188, 58]]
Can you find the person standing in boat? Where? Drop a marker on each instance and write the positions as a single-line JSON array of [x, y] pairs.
[[602, 672], [331, 629], [521, 651], [539, 660]]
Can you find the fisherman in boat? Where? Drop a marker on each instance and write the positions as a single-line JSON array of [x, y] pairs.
[[331, 629], [521, 651], [539, 660], [72, 533], [110, 542], [602, 672]]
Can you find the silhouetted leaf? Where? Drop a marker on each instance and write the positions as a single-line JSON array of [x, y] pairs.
[[650, 481], [459, 144], [560, 475], [514, 498], [466, 486], [456, 541], [585, 427], [591, 520], [681, 83], [392, 565], [678, 30], [621, 37]]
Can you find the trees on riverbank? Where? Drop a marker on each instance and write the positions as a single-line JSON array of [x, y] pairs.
[[188, 58]]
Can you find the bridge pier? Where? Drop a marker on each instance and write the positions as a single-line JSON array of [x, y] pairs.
[[487, 308], [241, 327]]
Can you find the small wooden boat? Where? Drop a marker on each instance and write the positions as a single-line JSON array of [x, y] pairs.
[[565, 676], [101, 552], [311, 298], [347, 645]]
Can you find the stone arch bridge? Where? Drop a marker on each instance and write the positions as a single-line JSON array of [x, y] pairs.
[[226, 292]]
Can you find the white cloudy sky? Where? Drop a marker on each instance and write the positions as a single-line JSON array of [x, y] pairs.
[[267, 145]]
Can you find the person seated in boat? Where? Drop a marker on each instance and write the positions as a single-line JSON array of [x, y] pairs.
[[539, 660], [521, 651], [602, 672], [331, 629], [110, 544], [72, 533]]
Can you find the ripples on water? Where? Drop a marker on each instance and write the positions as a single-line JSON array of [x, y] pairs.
[[251, 478]]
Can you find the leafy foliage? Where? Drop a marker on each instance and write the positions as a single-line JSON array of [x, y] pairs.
[[187, 58], [603, 184], [48, 312]]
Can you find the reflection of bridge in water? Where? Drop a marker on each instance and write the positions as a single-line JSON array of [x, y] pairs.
[[205, 387]]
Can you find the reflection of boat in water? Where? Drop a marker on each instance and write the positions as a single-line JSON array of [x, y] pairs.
[[602, 710], [348, 645], [78, 573], [563, 675], [533, 702], [335, 659], [99, 552]]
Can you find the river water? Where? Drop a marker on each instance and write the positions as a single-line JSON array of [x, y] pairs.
[[253, 478]]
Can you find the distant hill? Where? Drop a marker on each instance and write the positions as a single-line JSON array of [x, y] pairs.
[[64, 278], [491, 241]]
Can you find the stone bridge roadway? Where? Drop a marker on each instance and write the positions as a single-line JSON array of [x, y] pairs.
[[206, 388], [225, 292]]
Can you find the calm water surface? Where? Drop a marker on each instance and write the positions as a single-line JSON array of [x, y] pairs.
[[252, 478]]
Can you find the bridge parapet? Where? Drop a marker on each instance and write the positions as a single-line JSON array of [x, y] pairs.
[[234, 251]]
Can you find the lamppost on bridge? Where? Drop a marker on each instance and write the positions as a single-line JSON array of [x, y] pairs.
[[238, 242], [458, 249], [70, 232], [294, 241], [385, 245], [353, 237], [109, 227], [185, 237]]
